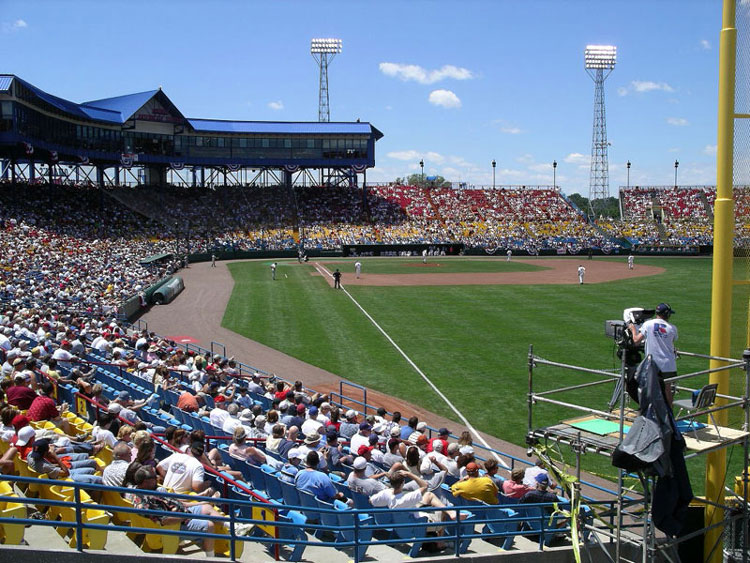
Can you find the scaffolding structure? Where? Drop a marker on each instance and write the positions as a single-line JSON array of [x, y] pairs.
[[632, 531]]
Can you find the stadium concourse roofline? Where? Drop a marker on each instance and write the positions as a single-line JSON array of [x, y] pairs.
[[148, 129]]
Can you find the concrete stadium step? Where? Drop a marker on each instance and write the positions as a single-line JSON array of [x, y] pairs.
[[45, 538]]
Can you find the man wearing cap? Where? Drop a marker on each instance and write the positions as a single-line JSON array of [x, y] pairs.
[[312, 443], [361, 438], [475, 487], [439, 443], [290, 469], [540, 494], [660, 336], [245, 401], [316, 482], [219, 414], [360, 482], [312, 425], [419, 431], [349, 427]]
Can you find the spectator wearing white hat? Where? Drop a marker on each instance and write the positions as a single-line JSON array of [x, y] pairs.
[[349, 427], [241, 449], [290, 469], [360, 482]]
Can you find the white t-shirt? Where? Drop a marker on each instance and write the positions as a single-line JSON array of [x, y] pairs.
[[660, 336], [386, 498], [182, 471], [101, 434], [311, 426], [218, 417]]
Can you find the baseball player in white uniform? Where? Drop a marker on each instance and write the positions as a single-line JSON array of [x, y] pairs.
[[630, 262], [581, 273], [358, 268]]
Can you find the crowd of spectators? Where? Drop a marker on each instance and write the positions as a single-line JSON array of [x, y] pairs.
[[81, 245], [299, 434]]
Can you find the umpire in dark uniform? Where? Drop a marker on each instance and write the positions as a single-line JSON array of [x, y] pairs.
[[337, 279]]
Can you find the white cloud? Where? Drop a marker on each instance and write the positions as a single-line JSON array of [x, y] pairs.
[[423, 76], [677, 121], [276, 106], [17, 25], [511, 130], [525, 159], [643, 86], [577, 158], [444, 98], [415, 156], [649, 86], [709, 149], [705, 44]]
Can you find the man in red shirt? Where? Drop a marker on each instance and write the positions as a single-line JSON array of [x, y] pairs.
[[19, 394], [188, 402], [44, 407]]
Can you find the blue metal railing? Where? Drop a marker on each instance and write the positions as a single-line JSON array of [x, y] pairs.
[[456, 531]]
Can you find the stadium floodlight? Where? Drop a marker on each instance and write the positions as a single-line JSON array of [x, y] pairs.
[[330, 46], [600, 57], [323, 51], [599, 61]]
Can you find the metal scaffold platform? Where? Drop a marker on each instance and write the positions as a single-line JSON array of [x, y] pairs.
[[626, 516]]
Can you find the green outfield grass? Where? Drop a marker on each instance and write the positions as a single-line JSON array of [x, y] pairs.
[[472, 341], [438, 265]]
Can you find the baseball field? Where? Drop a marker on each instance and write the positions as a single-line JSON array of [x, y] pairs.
[[467, 324]]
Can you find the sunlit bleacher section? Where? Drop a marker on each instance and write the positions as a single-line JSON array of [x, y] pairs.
[[129, 390]]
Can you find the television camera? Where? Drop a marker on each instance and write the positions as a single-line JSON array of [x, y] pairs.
[[627, 350]]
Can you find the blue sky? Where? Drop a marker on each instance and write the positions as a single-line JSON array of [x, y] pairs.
[[455, 83]]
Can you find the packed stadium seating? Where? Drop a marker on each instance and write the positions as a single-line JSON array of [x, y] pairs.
[[72, 256]]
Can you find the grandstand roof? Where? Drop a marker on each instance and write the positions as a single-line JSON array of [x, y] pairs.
[[309, 127], [120, 109]]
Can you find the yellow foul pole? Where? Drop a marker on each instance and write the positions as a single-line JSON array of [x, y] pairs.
[[721, 292]]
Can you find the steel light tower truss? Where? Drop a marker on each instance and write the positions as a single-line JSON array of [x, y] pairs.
[[323, 51], [600, 62]]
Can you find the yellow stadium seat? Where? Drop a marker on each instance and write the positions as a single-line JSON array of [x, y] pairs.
[[92, 539], [11, 534]]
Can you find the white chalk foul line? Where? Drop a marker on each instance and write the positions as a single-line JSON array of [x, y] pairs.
[[324, 271]]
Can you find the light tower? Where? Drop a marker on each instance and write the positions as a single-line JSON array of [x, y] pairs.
[[323, 51], [600, 61]]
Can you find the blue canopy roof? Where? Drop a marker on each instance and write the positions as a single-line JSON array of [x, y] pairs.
[[283, 127], [120, 109], [125, 106]]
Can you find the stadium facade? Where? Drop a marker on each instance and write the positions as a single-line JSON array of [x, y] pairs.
[[144, 136]]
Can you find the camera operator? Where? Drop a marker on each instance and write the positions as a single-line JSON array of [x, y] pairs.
[[660, 336]]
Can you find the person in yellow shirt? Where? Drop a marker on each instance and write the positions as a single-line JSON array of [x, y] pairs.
[[475, 487]]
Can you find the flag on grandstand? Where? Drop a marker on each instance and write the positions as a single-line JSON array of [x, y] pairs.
[[291, 168], [359, 168], [177, 165], [126, 160], [29, 148], [234, 167], [53, 156], [83, 159]]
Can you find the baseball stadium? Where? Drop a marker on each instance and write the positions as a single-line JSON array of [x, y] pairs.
[[219, 339]]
